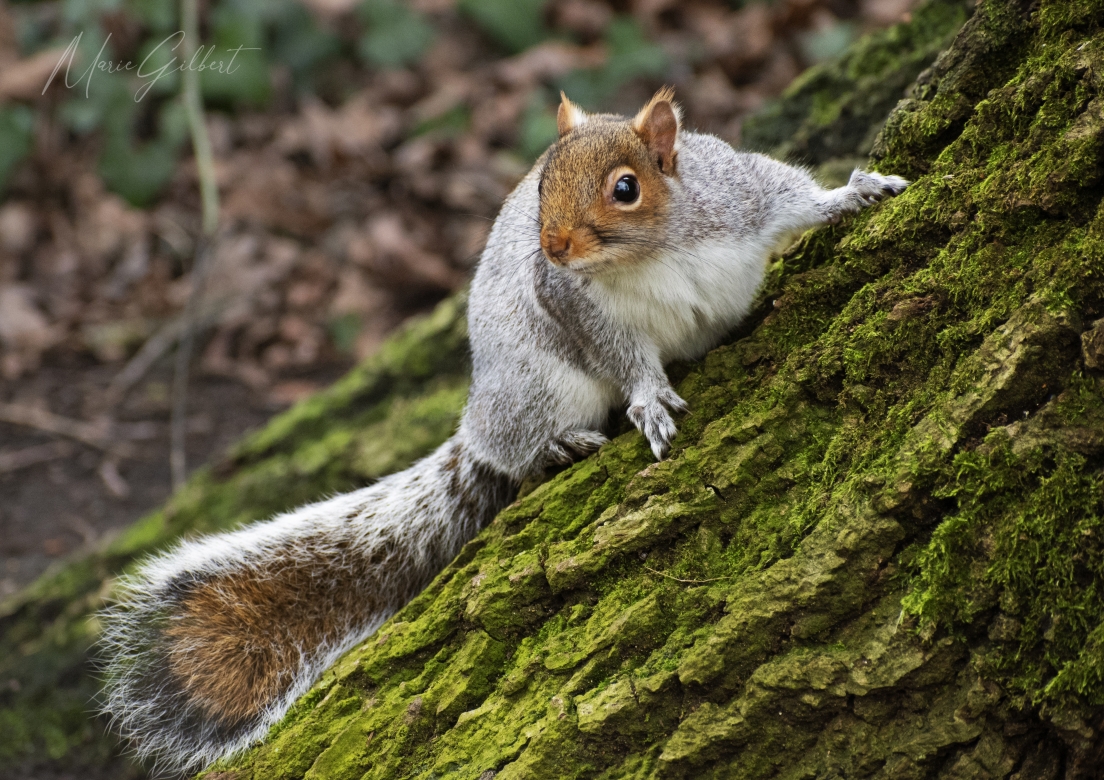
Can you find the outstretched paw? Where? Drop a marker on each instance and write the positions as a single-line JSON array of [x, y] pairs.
[[654, 420], [873, 187], [865, 188], [574, 445]]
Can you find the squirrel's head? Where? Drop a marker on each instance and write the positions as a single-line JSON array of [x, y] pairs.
[[604, 190]]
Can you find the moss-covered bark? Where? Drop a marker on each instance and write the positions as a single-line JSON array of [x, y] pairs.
[[877, 549]]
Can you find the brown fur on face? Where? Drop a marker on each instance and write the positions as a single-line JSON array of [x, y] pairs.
[[582, 226], [235, 641]]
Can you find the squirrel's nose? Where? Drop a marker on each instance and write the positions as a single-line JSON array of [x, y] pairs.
[[557, 244]]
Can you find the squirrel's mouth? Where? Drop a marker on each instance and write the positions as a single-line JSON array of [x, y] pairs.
[[568, 246], [580, 250], [600, 259], [592, 264]]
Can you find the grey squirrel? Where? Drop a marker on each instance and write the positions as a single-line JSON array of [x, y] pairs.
[[631, 243]]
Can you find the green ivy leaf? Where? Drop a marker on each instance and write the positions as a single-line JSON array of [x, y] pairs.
[[159, 16], [237, 25], [631, 56], [16, 129], [301, 44], [538, 126], [513, 24], [396, 35], [140, 171]]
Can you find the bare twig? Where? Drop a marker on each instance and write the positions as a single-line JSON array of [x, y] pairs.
[[82, 528], [205, 166], [164, 339], [14, 460], [104, 434], [112, 479], [96, 435], [685, 582]]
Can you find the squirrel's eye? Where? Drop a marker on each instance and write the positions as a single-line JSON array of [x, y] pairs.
[[627, 189]]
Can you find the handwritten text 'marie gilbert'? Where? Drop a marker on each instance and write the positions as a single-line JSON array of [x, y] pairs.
[[199, 61]]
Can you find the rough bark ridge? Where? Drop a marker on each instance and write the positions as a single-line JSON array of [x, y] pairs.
[[877, 549]]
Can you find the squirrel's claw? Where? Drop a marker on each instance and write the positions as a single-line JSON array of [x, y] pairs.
[[863, 189], [873, 187], [673, 401], [655, 422]]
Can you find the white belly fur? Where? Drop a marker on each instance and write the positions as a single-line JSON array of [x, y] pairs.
[[583, 402], [686, 301]]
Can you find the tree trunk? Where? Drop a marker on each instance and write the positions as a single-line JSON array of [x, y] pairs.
[[877, 549]]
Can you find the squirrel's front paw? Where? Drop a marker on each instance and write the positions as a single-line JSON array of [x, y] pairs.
[[655, 422], [865, 188], [872, 187], [669, 398]]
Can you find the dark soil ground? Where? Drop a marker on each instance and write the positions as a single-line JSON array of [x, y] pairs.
[[77, 494]]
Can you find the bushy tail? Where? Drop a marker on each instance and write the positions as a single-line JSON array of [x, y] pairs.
[[209, 644]]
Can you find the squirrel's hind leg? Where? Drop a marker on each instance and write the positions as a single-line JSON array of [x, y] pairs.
[[574, 445]]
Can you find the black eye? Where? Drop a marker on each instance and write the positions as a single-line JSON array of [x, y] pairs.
[[627, 189]]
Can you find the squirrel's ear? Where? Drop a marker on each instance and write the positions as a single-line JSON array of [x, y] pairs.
[[657, 124], [569, 116]]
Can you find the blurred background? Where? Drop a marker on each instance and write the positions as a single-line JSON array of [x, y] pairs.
[[362, 148]]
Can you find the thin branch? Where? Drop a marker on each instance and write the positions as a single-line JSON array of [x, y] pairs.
[[14, 460], [164, 339], [96, 435], [104, 434], [112, 479], [193, 104], [685, 582], [208, 188]]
